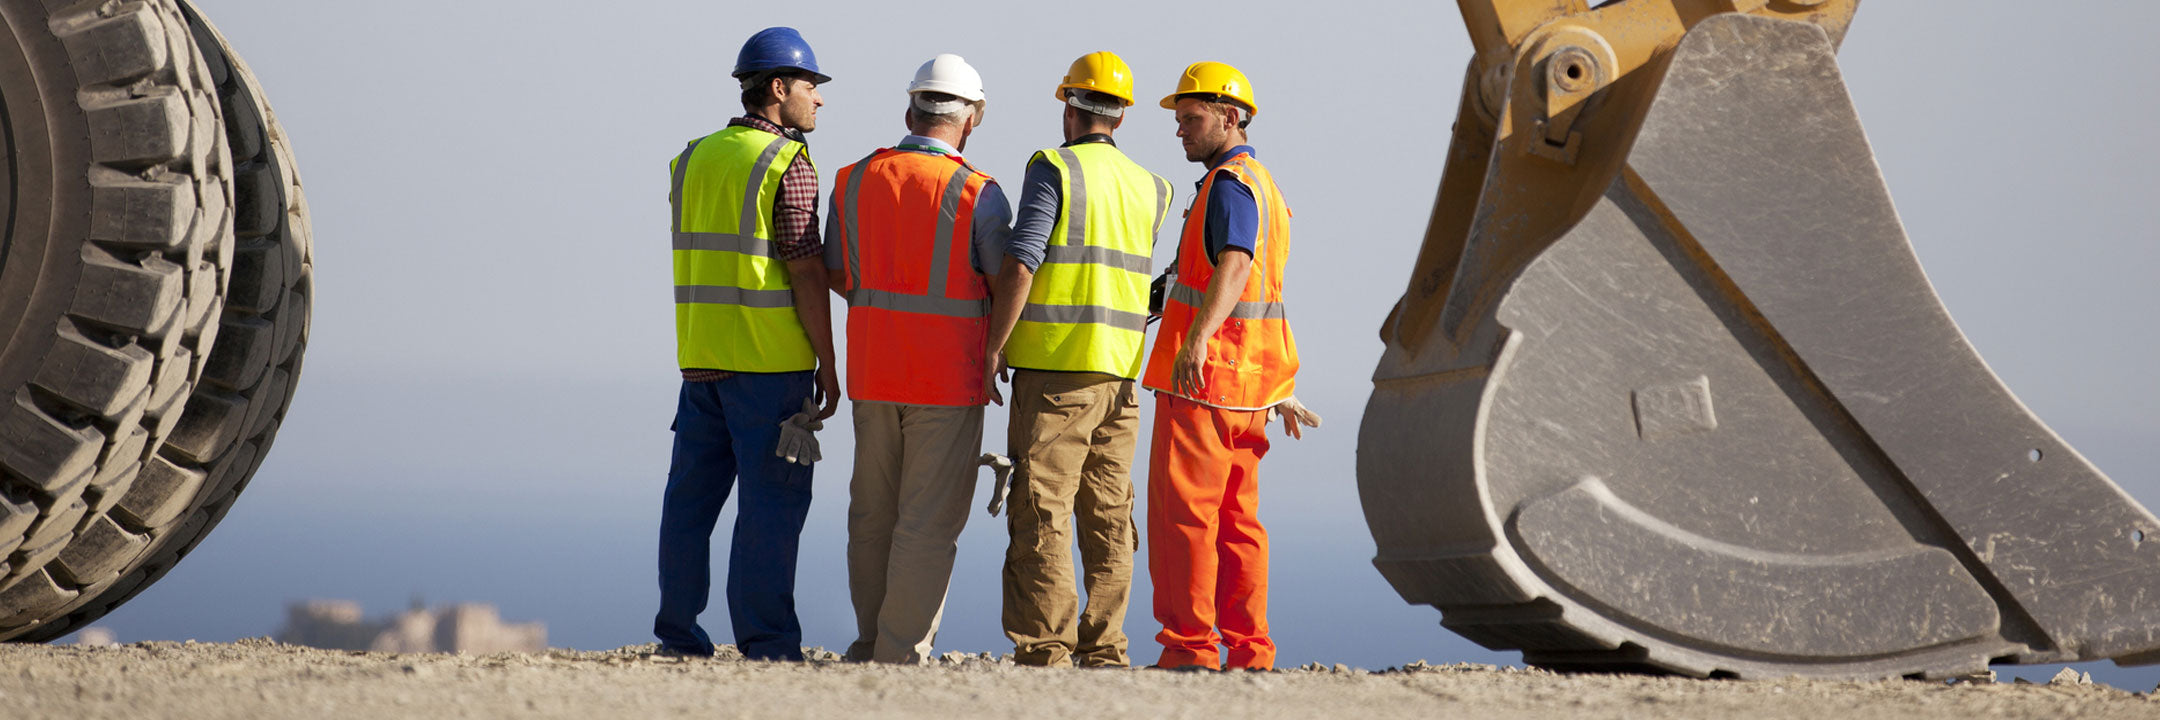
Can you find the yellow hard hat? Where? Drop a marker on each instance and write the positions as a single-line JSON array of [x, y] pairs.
[[1101, 71], [1214, 78]]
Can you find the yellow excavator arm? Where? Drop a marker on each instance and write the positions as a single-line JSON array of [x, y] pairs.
[[1668, 389]]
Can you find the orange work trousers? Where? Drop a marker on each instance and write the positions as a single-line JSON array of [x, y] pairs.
[[1207, 553]]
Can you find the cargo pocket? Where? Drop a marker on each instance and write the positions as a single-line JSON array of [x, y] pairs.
[[1025, 519]]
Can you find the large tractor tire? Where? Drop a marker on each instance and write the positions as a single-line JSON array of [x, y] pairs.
[[157, 275]]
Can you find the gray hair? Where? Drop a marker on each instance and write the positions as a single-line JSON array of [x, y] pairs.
[[917, 113]]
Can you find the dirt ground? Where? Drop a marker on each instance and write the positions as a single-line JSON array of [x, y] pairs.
[[262, 679]]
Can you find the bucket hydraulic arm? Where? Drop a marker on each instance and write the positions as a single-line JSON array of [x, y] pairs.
[[1668, 390]]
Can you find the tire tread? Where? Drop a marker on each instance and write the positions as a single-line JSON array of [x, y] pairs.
[[209, 427]]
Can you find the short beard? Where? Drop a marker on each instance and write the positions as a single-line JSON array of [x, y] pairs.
[[1200, 154], [805, 121]]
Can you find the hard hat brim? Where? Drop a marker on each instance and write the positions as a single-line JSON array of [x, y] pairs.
[[1169, 102], [1061, 95], [816, 78]]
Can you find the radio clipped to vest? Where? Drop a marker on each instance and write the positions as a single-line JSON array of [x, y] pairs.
[[1157, 292]]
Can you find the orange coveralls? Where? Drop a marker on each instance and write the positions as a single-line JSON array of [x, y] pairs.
[[1207, 552]]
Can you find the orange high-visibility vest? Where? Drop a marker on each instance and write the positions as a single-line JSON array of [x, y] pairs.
[[1252, 360], [918, 312]]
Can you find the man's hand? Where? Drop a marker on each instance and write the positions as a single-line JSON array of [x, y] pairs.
[[1232, 267], [1185, 370], [814, 309], [994, 371], [1294, 415], [827, 392], [1009, 291]]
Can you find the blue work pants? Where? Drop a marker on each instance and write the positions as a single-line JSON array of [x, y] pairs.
[[724, 431]]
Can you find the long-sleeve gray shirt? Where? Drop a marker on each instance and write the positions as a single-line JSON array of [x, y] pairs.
[[1041, 194]]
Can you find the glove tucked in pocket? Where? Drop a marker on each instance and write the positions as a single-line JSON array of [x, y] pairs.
[[798, 436]]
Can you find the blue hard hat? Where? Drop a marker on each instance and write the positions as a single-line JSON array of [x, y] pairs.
[[777, 48]]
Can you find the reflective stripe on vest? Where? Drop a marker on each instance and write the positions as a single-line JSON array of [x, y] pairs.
[[1183, 293], [918, 310], [1251, 360], [1087, 307], [734, 305]]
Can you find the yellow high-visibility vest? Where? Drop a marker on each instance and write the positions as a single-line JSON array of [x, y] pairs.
[[1088, 307], [734, 306]]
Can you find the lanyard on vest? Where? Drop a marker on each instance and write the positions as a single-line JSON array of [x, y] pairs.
[[931, 149]]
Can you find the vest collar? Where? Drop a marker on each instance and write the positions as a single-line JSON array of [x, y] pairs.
[[757, 123], [1103, 138], [1231, 153], [927, 144]]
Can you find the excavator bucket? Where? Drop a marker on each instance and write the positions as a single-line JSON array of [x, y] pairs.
[[1670, 392]]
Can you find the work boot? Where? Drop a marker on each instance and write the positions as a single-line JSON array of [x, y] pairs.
[[676, 652]]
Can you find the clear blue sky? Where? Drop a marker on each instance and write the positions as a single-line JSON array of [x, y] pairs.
[[484, 411]]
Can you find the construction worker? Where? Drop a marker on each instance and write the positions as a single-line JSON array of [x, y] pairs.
[[752, 323], [1223, 361], [1079, 256], [916, 234]]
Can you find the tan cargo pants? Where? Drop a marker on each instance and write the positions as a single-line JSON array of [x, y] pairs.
[[914, 478], [1072, 437]]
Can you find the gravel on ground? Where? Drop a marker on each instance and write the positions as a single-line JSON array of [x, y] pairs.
[[259, 678]]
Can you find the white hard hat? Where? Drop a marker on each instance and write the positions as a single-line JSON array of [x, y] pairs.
[[950, 75]]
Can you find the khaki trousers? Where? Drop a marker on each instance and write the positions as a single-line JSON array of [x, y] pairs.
[[915, 468], [1072, 437]]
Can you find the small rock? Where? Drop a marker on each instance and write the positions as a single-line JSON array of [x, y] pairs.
[[1341, 669], [2070, 677]]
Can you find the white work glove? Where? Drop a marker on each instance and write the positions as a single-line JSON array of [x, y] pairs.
[[1293, 414], [798, 436], [1002, 467]]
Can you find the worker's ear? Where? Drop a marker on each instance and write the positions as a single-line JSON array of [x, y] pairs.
[[1117, 122]]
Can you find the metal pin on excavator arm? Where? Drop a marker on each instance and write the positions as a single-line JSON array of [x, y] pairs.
[[1668, 390]]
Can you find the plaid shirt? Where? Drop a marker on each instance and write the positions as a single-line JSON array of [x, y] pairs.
[[795, 220]]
